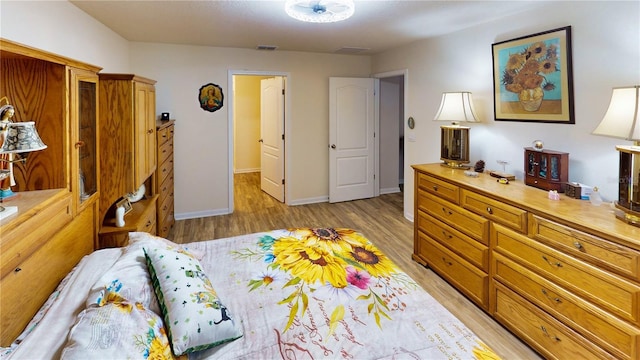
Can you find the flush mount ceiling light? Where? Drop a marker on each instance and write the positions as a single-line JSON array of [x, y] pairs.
[[319, 11]]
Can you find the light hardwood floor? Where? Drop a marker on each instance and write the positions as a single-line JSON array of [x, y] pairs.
[[379, 219]]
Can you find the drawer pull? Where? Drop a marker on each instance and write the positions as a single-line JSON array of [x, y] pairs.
[[17, 269], [448, 236], [578, 245], [556, 264], [552, 337], [447, 261], [557, 300], [489, 210], [435, 187], [446, 211]]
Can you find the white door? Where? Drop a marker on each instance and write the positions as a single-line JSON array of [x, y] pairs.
[[272, 137], [351, 138]]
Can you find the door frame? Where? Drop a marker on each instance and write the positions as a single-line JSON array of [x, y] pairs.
[[230, 115], [393, 73]]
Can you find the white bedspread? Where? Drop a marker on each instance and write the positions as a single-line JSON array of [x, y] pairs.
[[303, 294], [47, 338]]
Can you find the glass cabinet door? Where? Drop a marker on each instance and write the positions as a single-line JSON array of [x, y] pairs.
[[84, 98], [531, 163], [543, 167], [87, 139]]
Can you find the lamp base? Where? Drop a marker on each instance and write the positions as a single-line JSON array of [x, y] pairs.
[[629, 216], [456, 165], [6, 194]]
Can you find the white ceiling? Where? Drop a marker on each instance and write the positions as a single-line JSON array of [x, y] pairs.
[[377, 25]]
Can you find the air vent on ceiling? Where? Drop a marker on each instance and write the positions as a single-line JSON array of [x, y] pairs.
[[266, 47], [351, 50]]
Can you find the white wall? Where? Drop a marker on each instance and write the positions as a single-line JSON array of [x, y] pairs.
[[201, 141], [61, 28], [246, 123], [606, 54]]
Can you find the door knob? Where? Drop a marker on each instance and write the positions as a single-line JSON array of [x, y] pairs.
[[333, 146]]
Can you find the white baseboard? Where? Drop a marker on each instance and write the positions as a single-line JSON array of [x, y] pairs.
[[315, 200], [245, 171], [390, 190], [201, 214]]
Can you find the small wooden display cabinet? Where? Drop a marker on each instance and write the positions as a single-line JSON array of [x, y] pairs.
[[546, 169]]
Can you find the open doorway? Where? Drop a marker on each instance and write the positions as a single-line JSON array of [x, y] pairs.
[[246, 129], [391, 139]]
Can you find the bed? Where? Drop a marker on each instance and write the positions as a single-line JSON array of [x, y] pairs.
[[284, 294]]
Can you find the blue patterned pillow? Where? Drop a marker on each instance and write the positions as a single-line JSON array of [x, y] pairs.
[[194, 316]]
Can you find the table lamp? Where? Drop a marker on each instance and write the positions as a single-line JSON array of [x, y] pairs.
[[17, 138], [622, 120], [455, 107]]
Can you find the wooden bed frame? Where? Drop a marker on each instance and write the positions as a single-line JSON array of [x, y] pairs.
[[53, 228]]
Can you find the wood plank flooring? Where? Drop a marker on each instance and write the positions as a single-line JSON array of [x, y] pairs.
[[379, 219]]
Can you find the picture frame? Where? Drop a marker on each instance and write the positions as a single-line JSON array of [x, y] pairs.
[[210, 97], [533, 78], [124, 203]]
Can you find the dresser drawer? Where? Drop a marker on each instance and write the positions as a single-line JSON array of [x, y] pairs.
[[611, 333], [463, 220], [147, 221], [464, 276], [164, 134], [166, 167], [497, 211], [166, 207], [165, 223], [547, 335], [617, 258], [463, 245], [612, 292], [165, 150], [438, 187], [166, 187]]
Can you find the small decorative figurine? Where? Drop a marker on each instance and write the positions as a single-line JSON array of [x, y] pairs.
[[479, 167]]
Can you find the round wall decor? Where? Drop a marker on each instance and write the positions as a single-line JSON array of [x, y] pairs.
[[211, 97]]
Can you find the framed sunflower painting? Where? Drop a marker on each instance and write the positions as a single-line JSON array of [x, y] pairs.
[[532, 78]]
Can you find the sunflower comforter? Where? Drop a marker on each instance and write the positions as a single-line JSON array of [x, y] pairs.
[[328, 294], [289, 294]]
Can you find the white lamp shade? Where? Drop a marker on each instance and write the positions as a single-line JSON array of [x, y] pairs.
[[622, 119], [318, 11], [457, 107], [21, 137]]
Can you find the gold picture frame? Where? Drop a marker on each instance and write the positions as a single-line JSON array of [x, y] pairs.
[[533, 79], [210, 97]]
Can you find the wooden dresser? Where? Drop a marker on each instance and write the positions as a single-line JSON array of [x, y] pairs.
[[564, 276], [164, 177]]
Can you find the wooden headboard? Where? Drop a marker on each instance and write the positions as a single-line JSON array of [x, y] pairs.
[[55, 225], [39, 247]]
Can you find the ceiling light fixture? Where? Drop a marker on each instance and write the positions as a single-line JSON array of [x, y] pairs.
[[319, 11]]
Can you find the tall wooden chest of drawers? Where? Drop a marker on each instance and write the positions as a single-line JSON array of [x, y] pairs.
[[564, 275], [164, 177]]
